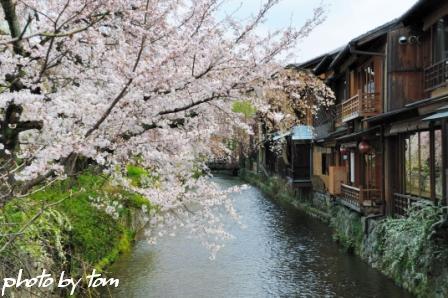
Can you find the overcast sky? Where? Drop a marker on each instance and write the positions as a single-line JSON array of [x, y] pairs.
[[346, 19]]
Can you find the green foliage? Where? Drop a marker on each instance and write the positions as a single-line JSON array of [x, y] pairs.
[[136, 174], [137, 201], [94, 232], [231, 144], [244, 107], [279, 190], [74, 232], [347, 228], [139, 176], [406, 250], [45, 236], [122, 246]]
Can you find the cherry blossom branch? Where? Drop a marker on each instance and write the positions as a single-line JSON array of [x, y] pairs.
[[54, 34], [110, 108], [261, 14], [189, 106], [126, 86]]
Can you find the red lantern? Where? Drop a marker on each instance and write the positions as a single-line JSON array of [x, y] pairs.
[[343, 150], [364, 147]]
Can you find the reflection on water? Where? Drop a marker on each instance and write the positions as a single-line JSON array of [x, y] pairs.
[[281, 253]]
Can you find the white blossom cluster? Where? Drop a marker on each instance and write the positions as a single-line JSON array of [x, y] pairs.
[[112, 80], [108, 205]]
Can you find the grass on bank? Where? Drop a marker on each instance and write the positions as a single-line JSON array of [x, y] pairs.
[[74, 233]]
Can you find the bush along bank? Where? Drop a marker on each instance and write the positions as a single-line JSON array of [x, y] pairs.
[[279, 190], [412, 250], [75, 225]]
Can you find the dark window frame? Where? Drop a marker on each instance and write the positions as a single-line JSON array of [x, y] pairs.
[[439, 42], [325, 163], [432, 163]]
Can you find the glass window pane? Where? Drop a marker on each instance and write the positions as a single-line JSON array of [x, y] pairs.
[[439, 40], [407, 165], [352, 167], [438, 162], [445, 36], [413, 166], [371, 171], [425, 164]]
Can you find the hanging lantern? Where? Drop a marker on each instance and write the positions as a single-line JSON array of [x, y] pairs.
[[364, 147], [343, 150]]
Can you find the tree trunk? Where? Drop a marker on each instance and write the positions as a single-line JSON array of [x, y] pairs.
[[9, 9]]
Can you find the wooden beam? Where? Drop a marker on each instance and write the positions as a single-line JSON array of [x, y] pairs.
[[445, 161], [432, 171]]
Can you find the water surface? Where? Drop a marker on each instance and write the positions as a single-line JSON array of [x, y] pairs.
[[281, 253]]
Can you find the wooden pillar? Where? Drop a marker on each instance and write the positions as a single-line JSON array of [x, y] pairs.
[[360, 165], [382, 180], [293, 156], [388, 175], [432, 171], [445, 161], [310, 161]]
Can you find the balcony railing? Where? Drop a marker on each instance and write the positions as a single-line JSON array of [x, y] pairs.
[[361, 105], [436, 75], [359, 198], [403, 202]]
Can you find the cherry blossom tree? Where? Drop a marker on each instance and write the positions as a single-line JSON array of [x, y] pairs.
[[112, 81], [293, 97]]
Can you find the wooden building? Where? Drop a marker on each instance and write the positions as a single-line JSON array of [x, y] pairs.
[[294, 163], [383, 146]]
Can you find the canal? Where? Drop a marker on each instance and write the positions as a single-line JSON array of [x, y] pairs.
[[281, 252]]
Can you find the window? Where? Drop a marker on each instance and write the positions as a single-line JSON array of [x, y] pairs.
[[341, 89], [302, 161], [367, 78], [326, 163], [438, 163], [370, 178], [440, 40], [418, 164], [352, 166]]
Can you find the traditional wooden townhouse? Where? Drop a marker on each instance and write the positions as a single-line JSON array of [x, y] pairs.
[[383, 146], [348, 151], [413, 124], [325, 126], [286, 154], [294, 162]]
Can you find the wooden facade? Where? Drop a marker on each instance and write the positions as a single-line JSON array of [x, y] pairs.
[[294, 162], [384, 146]]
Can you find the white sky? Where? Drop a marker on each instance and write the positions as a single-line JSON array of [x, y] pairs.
[[346, 19]]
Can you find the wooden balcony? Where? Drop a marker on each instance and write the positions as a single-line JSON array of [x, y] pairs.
[[359, 199], [361, 105], [403, 202], [436, 75]]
